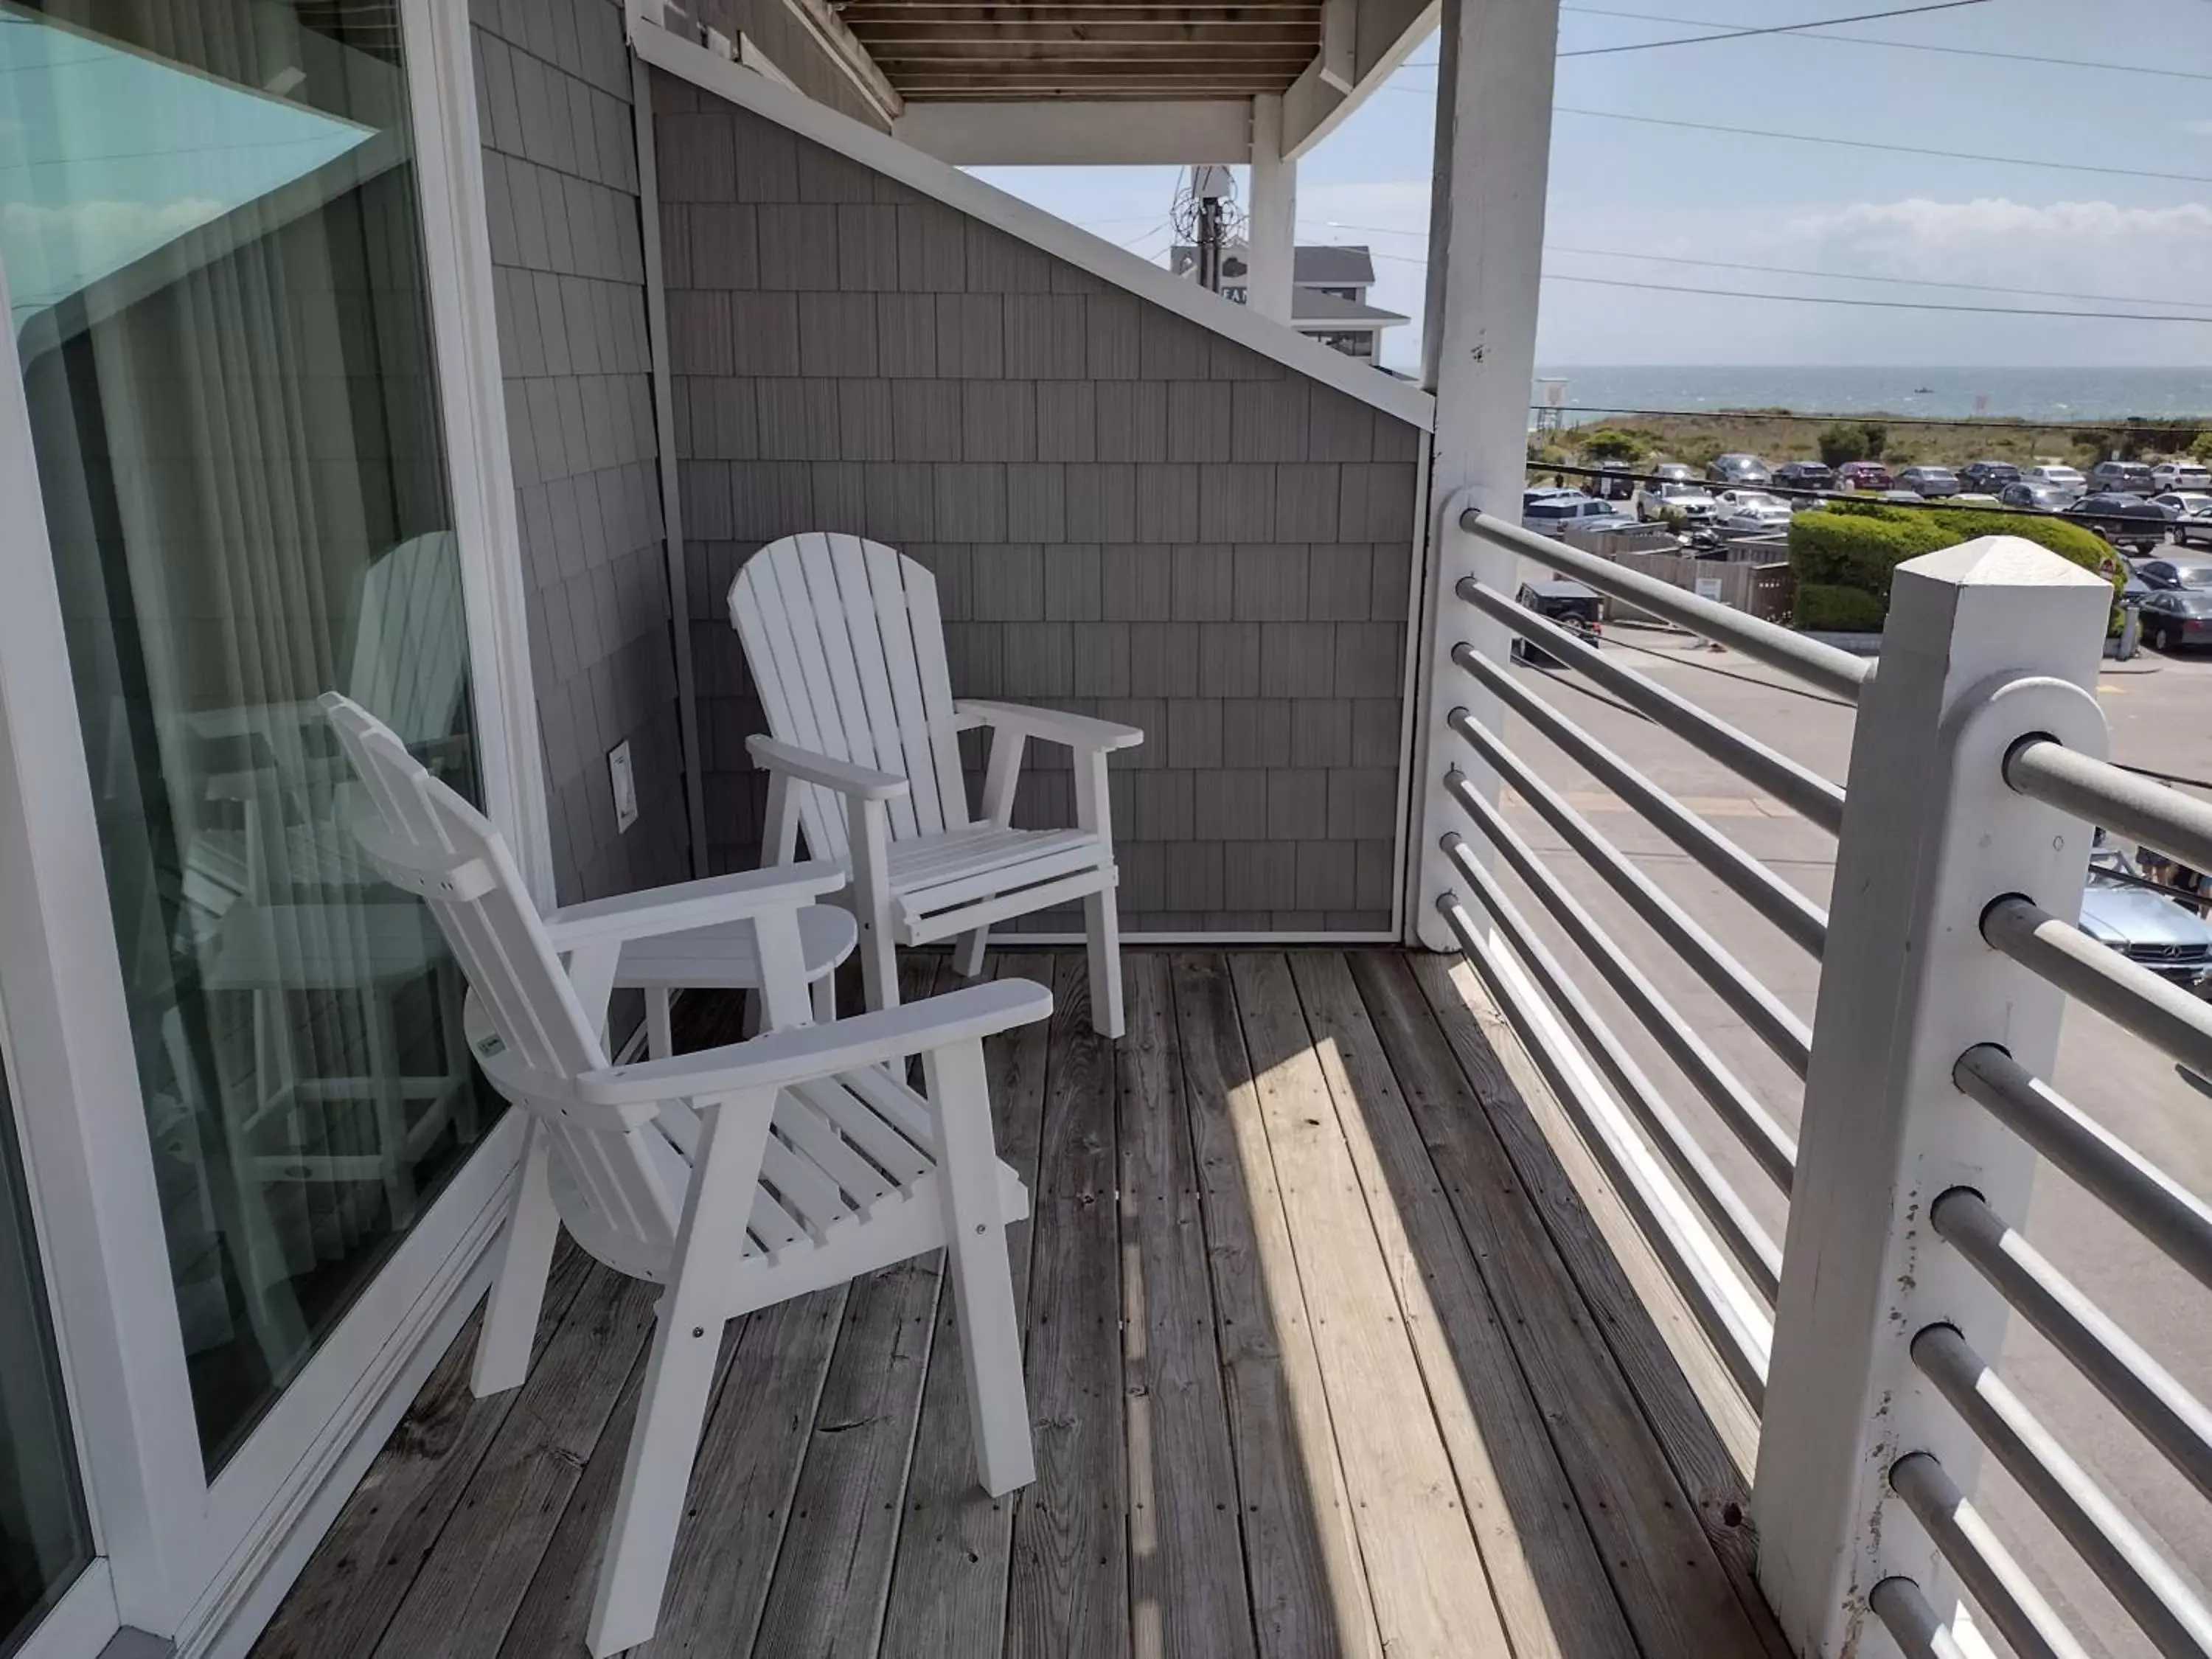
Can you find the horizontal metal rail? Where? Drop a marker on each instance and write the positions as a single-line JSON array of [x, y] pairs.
[[2129, 996], [1740, 1334], [2141, 1194], [1756, 1253], [2178, 825], [1833, 670], [1911, 1622], [2147, 1395], [1795, 787], [1768, 1143], [2141, 1579], [1998, 1583], [1775, 899], [1789, 1036]]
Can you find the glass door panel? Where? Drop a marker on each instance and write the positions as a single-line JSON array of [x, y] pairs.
[[44, 1538], [209, 224]]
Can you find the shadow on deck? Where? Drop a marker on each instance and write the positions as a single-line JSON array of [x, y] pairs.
[[1325, 1355]]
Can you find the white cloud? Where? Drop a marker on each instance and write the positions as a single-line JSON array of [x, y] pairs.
[[2200, 129]]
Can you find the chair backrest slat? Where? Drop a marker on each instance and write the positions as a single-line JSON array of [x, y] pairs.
[[411, 647], [633, 1188], [848, 652]]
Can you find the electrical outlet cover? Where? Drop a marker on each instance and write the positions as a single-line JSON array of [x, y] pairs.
[[625, 783]]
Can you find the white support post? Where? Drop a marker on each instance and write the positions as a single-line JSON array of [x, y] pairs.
[[1271, 235], [1478, 356], [1986, 642]]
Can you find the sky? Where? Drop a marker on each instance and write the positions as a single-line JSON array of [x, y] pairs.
[[1618, 187]]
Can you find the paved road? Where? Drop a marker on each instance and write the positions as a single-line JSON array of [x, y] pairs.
[[2161, 711]]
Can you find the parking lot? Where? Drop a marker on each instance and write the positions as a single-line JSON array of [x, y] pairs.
[[2157, 706]]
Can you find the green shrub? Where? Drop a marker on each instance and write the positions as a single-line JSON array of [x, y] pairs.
[[1833, 610], [1853, 440], [1859, 545], [2202, 449], [1611, 444]]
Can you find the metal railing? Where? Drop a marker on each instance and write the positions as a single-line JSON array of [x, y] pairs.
[[1941, 989]]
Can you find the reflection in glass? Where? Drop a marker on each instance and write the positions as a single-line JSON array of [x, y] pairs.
[[210, 225], [44, 1537]]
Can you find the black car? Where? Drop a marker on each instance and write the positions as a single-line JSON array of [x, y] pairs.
[[2176, 617], [1571, 604], [1988, 477], [1805, 475], [2122, 478], [2037, 497], [2122, 519]]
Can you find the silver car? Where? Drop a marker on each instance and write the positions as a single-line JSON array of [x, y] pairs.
[[2148, 928]]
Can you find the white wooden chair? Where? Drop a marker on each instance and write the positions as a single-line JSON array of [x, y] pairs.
[[736, 1177], [848, 652]]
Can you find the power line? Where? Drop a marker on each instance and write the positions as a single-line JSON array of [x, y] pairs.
[[1801, 270], [1778, 28], [1808, 33], [1879, 305]]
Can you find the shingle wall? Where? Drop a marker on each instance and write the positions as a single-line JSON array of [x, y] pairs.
[[1127, 514], [561, 188], [787, 43]]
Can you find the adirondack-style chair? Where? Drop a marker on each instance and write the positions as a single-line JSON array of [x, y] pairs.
[[735, 1177], [848, 652]]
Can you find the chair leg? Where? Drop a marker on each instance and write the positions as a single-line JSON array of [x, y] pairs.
[[1101, 928], [982, 1281], [525, 1257], [968, 954], [656, 1476], [659, 1032], [825, 998], [878, 964]]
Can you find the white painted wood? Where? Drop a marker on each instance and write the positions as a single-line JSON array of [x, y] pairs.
[[1336, 61], [846, 651], [1986, 642], [1485, 241], [736, 1177], [842, 48], [80, 1623], [920, 171], [1077, 132], [1270, 233], [1384, 33]]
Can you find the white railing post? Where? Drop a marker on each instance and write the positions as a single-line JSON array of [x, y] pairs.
[[1986, 642], [1486, 257]]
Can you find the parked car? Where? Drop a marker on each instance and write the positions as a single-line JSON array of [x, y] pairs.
[[2175, 617], [1933, 481], [2067, 478], [1612, 483], [1550, 515], [1676, 500], [1753, 513], [1739, 469], [2189, 513], [1863, 475], [1990, 476], [2123, 521], [2176, 570], [1571, 604], [2181, 475], [2148, 928], [1805, 475], [2041, 497], [1673, 473], [2121, 478]]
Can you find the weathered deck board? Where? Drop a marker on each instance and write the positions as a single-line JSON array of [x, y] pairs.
[[1068, 1597], [1537, 1549], [1185, 1562], [1323, 1343]]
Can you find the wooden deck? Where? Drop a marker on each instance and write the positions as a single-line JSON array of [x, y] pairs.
[[1325, 1356]]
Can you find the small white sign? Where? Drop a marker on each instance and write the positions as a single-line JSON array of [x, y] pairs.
[[1709, 588], [625, 783]]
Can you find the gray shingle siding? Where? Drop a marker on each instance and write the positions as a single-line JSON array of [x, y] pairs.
[[1127, 514], [560, 191]]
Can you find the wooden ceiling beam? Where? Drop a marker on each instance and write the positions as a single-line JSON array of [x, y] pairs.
[[881, 35]]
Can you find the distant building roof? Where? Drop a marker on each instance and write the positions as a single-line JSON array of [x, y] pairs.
[[1310, 305], [1311, 263]]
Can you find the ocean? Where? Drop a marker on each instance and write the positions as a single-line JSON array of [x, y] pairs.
[[2048, 394]]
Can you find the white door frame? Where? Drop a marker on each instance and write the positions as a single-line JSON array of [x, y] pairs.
[[177, 1555]]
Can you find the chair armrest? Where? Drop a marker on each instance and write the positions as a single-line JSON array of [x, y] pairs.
[[685, 905], [806, 1051], [1050, 725], [863, 782]]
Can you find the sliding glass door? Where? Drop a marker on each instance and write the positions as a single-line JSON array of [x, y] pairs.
[[45, 1537], [213, 241]]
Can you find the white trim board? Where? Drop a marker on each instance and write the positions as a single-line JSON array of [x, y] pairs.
[[1318, 101], [886, 154], [1080, 132]]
